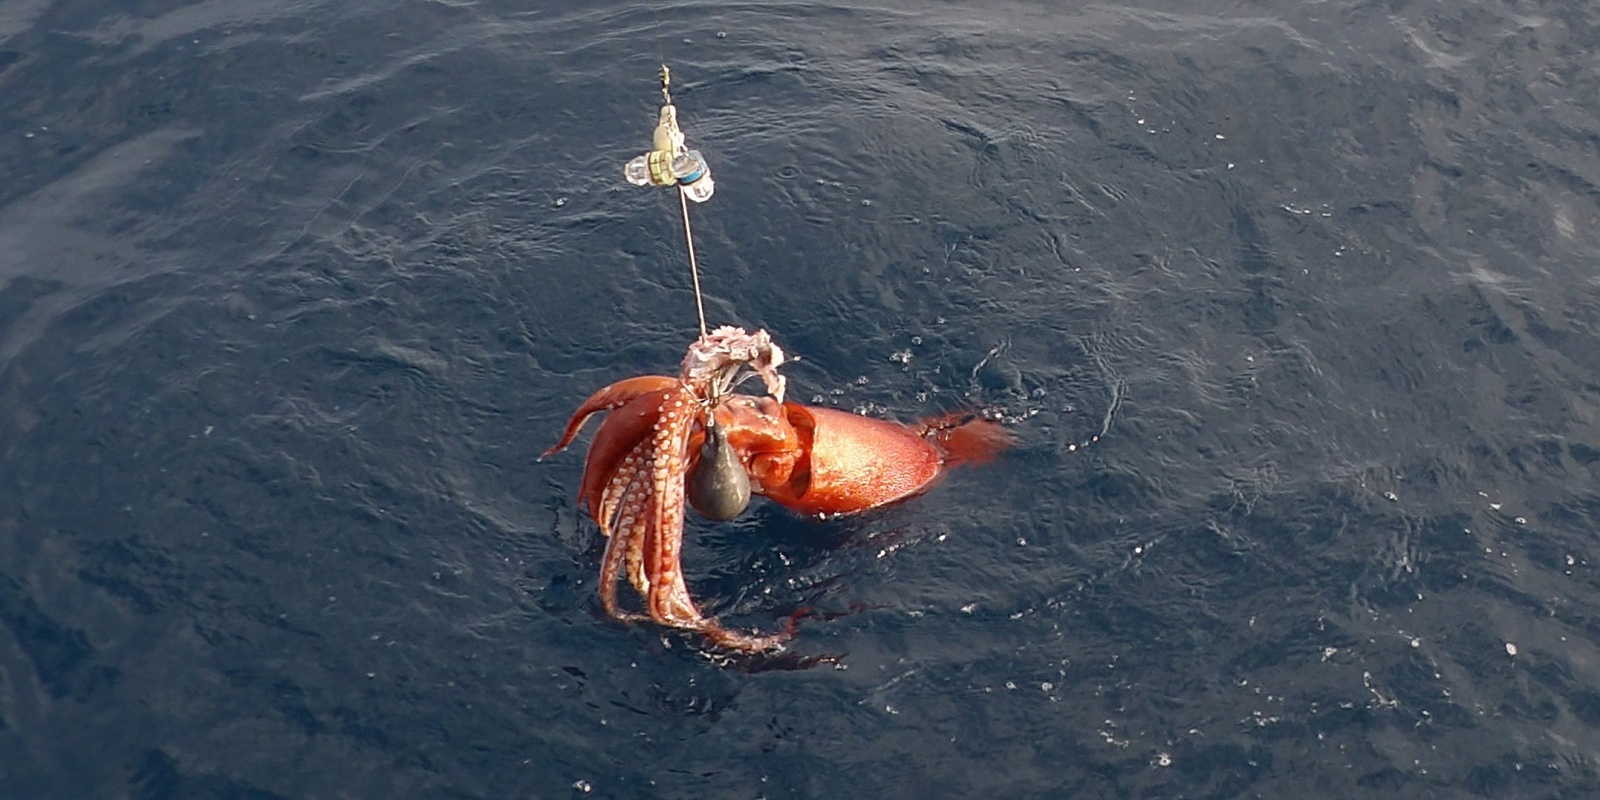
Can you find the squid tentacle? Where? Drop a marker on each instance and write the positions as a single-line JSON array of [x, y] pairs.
[[640, 510], [634, 476], [619, 518]]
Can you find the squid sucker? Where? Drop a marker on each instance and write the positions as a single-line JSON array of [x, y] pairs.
[[666, 441]]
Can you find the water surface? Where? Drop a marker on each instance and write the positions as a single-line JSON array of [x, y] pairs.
[[292, 293]]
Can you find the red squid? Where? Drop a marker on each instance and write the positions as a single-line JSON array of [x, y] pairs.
[[663, 433]]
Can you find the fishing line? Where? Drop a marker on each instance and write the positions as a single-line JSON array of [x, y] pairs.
[[683, 198], [688, 230], [694, 269]]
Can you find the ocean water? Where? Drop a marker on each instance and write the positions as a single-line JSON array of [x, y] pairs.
[[1292, 307]]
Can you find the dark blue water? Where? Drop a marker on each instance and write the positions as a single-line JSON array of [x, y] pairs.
[[292, 293]]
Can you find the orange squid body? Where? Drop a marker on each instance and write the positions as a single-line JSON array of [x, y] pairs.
[[859, 463], [822, 461]]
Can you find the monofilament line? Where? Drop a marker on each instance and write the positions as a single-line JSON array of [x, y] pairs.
[[694, 269], [683, 200]]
